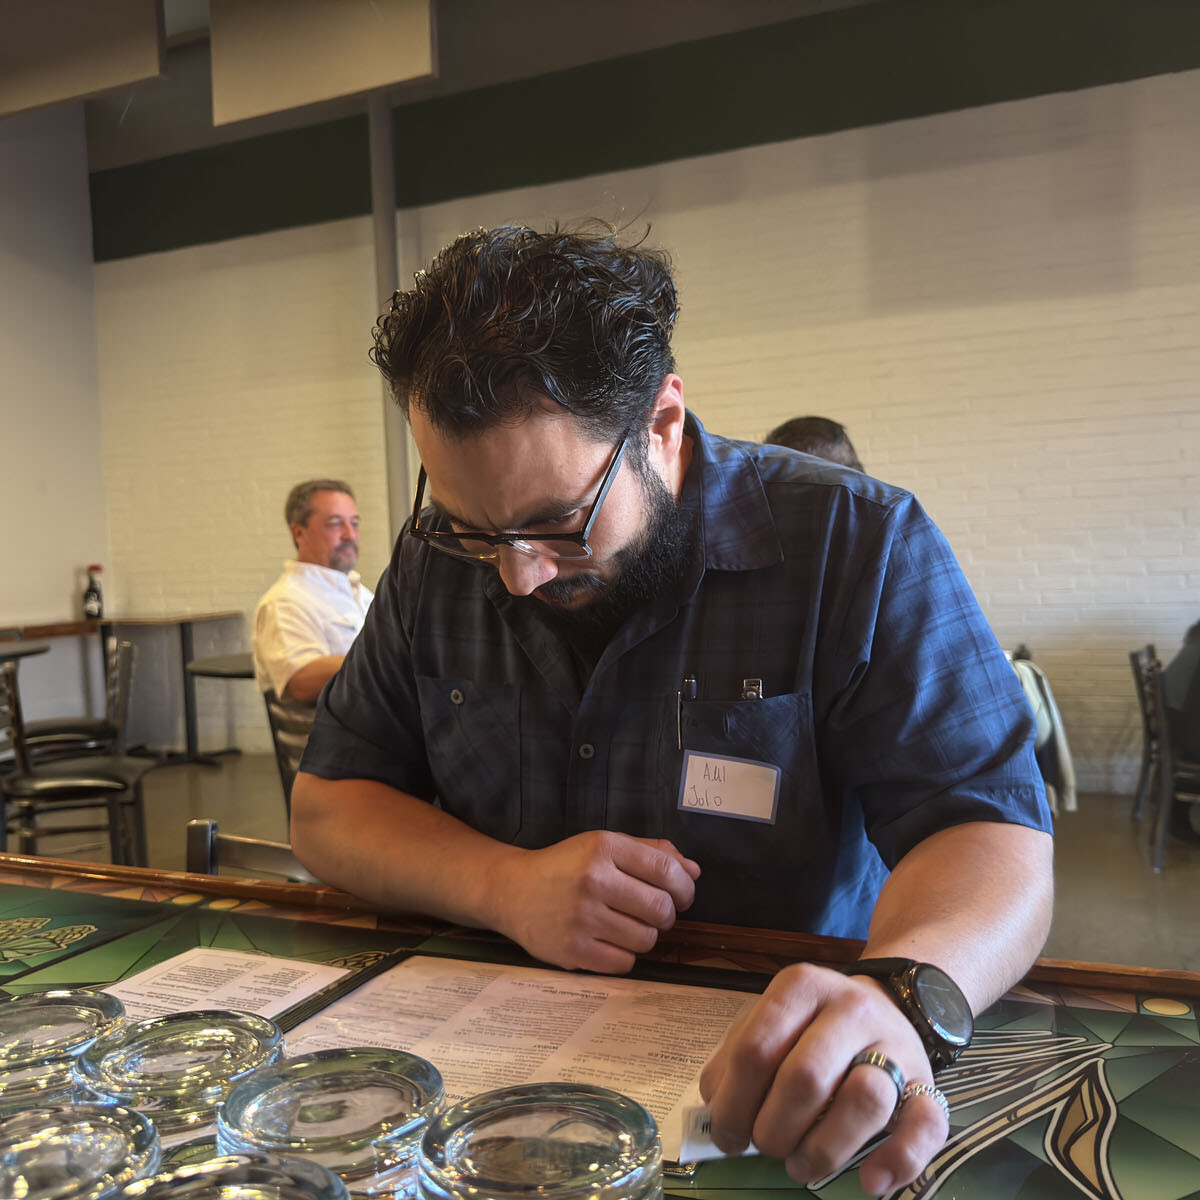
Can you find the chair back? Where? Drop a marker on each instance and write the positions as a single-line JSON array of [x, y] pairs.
[[209, 850], [120, 658], [1182, 772], [290, 727], [1146, 667], [1172, 779], [12, 722]]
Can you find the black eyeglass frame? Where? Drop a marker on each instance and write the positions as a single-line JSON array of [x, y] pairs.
[[438, 538]]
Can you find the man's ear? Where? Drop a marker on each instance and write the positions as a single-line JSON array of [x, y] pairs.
[[666, 418]]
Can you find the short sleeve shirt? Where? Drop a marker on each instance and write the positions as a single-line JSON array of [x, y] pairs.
[[308, 612], [887, 703]]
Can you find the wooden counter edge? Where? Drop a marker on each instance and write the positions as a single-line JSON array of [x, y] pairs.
[[780, 945], [802, 947], [55, 629], [298, 895]]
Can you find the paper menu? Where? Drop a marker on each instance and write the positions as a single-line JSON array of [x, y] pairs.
[[486, 1026], [205, 977]]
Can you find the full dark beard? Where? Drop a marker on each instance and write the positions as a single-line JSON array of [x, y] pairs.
[[645, 567]]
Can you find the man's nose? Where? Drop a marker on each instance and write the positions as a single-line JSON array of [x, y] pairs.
[[521, 573]]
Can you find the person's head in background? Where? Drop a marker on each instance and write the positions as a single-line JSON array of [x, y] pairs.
[[819, 436], [323, 519]]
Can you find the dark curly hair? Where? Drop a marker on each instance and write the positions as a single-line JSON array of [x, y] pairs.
[[505, 316]]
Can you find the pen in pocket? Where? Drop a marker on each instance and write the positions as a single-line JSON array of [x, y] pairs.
[[687, 691]]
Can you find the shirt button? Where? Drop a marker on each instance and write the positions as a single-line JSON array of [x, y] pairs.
[[456, 697], [587, 750]]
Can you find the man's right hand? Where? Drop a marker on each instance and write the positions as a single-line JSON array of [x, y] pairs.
[[594, 901]]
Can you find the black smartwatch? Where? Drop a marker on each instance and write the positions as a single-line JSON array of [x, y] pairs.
[[930, 999]]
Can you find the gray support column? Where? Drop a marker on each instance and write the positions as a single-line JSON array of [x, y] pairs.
[[383, 217]]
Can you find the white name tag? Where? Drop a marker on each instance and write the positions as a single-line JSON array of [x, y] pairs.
[[697, 1144], [720, 786]]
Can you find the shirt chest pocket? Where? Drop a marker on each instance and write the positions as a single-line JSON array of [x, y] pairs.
[[777, 731], [472, 740]]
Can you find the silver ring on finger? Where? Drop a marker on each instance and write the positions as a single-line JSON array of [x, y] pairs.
[[926, 1089], [875, 1058]]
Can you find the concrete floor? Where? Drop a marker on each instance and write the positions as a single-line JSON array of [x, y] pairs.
[[1109, 906]]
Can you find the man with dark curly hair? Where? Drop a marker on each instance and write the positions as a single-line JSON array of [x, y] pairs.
[[620, 668]]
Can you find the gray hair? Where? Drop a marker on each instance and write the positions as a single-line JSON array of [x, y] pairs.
[[299, 506]]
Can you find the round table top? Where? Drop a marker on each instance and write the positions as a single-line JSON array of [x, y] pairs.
[[224, 666], [18, 649]]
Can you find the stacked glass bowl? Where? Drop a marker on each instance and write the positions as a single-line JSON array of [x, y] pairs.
[[177, 1069], [41, 1035], [75, 1152], [241, 1177], [88, 1102], [359, 1111], [555, 1141]]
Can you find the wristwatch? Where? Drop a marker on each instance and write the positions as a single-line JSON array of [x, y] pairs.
[[930, 999]]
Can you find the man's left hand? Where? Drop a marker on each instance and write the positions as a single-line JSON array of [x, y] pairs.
[[782, 1079]]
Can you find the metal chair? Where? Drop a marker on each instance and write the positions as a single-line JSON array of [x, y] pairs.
[[1166, 778], [209, 850], [1140, 661], [290, 726], [70, 737], [33, 791]]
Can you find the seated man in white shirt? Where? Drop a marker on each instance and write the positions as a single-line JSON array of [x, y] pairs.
[[311, 614]]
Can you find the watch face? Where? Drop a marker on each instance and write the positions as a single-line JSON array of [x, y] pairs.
[[943, 1004]]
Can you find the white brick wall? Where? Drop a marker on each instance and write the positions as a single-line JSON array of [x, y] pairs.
[[1002, 304], [228, 373]]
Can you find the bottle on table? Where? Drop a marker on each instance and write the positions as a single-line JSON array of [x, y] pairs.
[[93, 598]]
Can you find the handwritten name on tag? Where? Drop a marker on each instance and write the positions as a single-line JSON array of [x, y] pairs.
[[720, 786]]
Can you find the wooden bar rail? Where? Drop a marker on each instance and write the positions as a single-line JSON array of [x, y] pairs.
[[766, 949]]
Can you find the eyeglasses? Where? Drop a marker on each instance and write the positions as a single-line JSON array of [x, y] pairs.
[[485, 547]]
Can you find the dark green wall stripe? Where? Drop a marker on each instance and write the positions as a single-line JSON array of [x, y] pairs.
[[300, 177], [880, 62]]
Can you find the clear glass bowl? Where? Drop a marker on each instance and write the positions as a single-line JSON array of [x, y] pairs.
[[553, 1141], [242, 1177], [359, 1111], [178, 1068], [81, 1152], [40, 1035], [190, 1151]]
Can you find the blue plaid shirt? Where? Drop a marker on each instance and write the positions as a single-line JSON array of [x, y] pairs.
[[888, 704]]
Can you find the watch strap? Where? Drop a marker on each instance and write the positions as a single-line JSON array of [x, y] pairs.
[[880, 968], [890, 972]]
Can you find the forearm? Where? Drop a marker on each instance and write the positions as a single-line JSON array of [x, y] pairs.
[[974, 899], [395, 850], [594, 901], [306, 684]]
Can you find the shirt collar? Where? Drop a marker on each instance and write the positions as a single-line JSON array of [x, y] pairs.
[[736, 528], [326, 574]]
